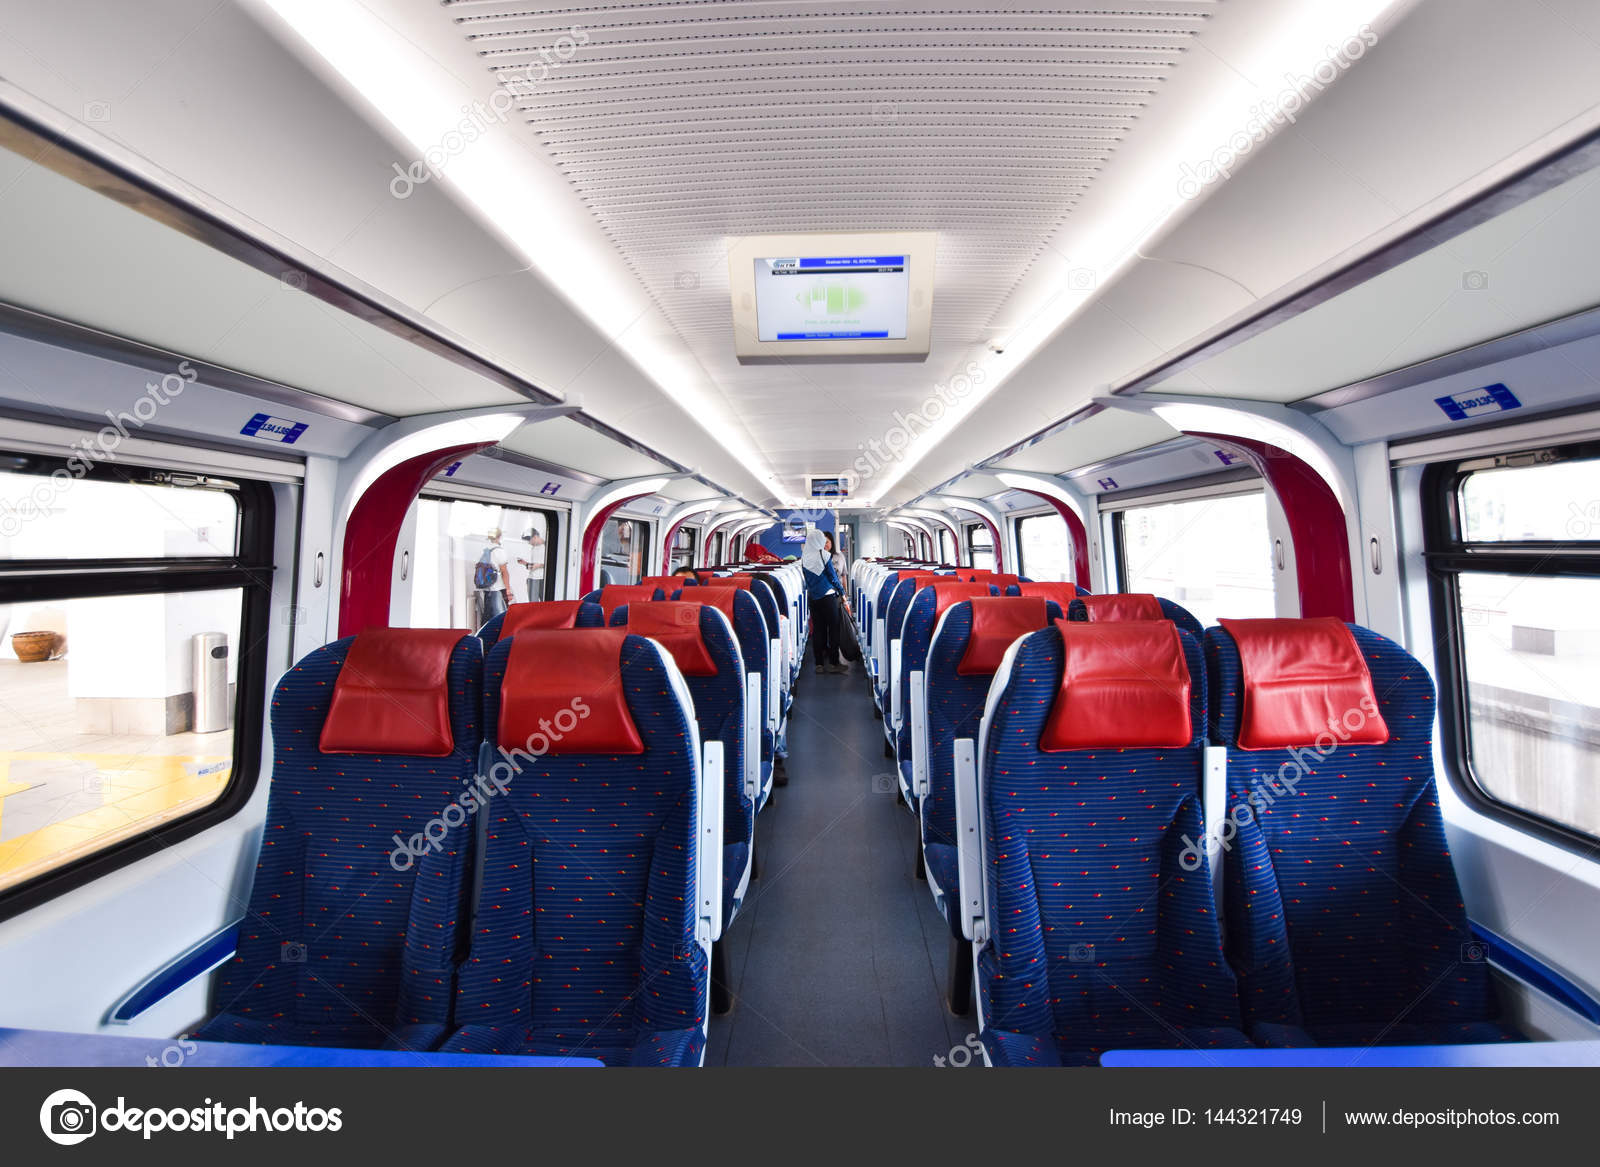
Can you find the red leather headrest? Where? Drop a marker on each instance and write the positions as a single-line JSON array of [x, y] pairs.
[[667, 583], [563, 694], [392, 696], [1061, 593], [675, 625], [950, 591], [742, 582], [540, 614], [717, 597], [1304, 680], [613, 596], [996, 622], [1122, 606], [704, 573], [1122, 684], [1003, 581], [972, 573]]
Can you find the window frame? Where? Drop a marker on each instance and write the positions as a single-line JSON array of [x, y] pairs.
[[1016, 535], [250, 569], [967, 533], [552, 519], [1446, 556], [693, 550], [1208, 486]]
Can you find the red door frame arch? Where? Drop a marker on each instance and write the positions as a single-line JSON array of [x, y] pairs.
[[366, 569], [1318, 527]]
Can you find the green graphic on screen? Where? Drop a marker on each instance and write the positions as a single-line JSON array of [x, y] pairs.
[[832, 299]]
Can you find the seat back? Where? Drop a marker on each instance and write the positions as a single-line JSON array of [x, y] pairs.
[[1341, 901], [755, 645], [927, 604], [1134, 606], [701, 641], [540, 614], [1091, 754], [968, 644], [586, 929], [356, 918]]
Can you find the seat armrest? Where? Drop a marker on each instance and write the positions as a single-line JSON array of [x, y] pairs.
[[752, 735], [195, 961], [969, 845], [710, 865], [919, 733]]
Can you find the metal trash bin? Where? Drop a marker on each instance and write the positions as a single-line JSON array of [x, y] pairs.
[[211, 704]]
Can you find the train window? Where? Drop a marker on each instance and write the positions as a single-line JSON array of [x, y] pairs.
[[980, 547], [133, 614], [453, 536], [947, 548], [1213, 555], [1044, 548], [1514, 557], [714, 552], [684, 545], [624, 545]]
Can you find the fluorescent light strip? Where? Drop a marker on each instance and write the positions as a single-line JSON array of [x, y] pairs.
[[1112, 240], [520, 193]]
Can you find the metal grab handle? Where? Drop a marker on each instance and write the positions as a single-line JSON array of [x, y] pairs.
[[316, 570]]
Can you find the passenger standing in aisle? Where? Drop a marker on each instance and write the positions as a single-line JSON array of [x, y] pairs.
[[491, 576], [825, 592]]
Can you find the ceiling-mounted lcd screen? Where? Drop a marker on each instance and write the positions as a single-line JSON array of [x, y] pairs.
[[832, 297], [854, 296], [837, 486]]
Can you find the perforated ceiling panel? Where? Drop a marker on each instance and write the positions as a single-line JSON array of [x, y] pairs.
[[685, 123]]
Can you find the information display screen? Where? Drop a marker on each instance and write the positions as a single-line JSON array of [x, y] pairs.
[[832, 297]]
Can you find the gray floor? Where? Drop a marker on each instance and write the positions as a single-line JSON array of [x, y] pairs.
[[837, 957]]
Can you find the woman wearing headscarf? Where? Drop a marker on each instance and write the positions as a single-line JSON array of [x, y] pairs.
[[825, 592]]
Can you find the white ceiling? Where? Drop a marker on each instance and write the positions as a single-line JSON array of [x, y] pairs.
[[681, 126], [675, 125]]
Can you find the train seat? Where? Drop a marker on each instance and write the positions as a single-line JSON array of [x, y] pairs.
[[750, 629], [1093, 933], [598, 907], [1134, 606], [922, 616], [356, 916], [968, 644], [540, 614], [1344, 918], [702, 642]]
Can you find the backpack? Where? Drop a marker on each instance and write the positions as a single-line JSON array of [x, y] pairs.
[[483, 574]]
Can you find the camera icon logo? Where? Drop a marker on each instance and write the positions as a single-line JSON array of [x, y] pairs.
[[97, 111], [293, 280], [1474, 281], [1082, 279], [67, 1117], [292, 952], [687, 281], [1081, 954], [1474, 952], [885, 784]]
